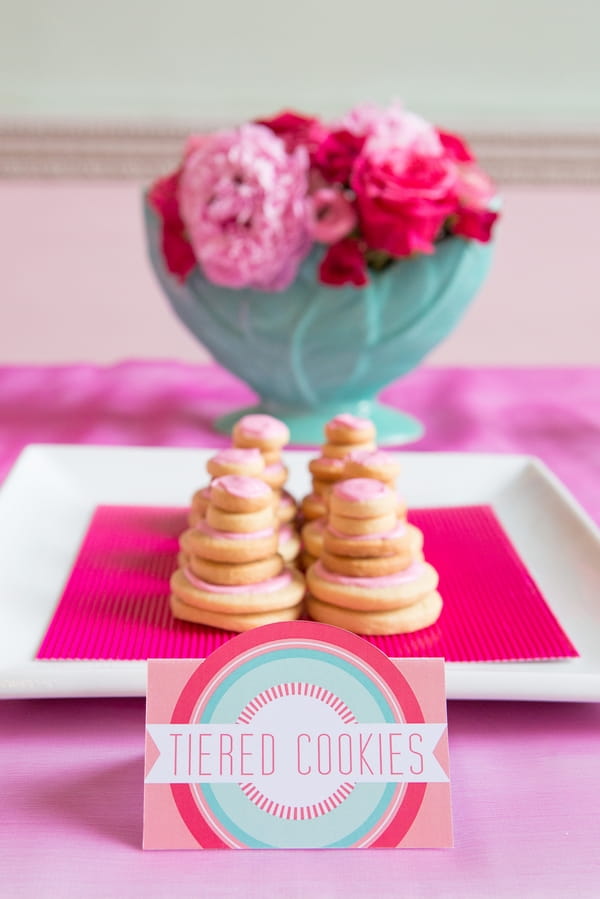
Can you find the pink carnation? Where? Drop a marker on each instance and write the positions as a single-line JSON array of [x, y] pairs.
[[394, 125], [333, 216], [243, 199]]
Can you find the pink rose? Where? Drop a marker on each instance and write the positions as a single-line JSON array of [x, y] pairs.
[[243, 199], [333, 216], [344, 263], [176, 249], [403, 197]]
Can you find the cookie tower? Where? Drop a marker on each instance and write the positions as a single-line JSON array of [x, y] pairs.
[[344, 434], [269, 435], [371, 577], [361, 463], [231, 575]]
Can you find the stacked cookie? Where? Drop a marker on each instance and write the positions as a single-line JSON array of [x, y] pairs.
[[371, 577], [262, 461], [231, 575], [344, 434], [362, 463], [269, 436]]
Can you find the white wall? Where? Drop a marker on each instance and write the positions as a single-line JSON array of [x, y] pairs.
[[531, 64]]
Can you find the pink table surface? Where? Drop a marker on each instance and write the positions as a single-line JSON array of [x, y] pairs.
[[526, 777]]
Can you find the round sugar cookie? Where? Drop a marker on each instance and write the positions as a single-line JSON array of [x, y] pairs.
[[347, 526], [406, 620], [281, 592], [403, 539], [312, 536], [321, 488], [313, 506], [341, 451], [225, 546], [239, 493], [275, 475], [233, 621], [355, 566], [392, 591], [351, 429], [226, 574], [362, 498], [241, 522], [286, 507], [262, 431], [376, 464], [327, 468], [289, 542], [200, 500], [232, 460]]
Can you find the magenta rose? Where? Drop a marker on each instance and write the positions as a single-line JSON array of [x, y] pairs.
[[335, 156], [403, 197], [344, 263], [243, 199], [176, 248], [296, 130]]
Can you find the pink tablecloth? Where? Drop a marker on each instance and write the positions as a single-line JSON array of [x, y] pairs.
[[526, 778]]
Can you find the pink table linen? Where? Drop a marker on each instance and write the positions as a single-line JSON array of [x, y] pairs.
[[526, 776]]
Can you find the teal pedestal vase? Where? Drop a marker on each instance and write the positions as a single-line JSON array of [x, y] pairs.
[[312, 351]]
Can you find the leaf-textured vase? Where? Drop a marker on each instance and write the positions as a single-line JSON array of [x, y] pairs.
[[312, 351]]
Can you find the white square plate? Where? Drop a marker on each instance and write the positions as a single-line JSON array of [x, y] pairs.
[[48, 498]]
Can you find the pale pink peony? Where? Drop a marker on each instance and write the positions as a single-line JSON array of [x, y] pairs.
[[243, 199], [333, 216]]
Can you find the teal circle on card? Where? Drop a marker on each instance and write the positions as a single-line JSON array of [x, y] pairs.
[[365, 805]]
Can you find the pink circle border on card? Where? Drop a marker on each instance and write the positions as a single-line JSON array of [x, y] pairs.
[[297, 632]]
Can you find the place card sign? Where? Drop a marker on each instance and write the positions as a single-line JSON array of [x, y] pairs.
[[296, 735]]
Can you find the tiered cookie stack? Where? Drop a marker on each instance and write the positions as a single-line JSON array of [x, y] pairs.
[[269, 436], [344, 434], [361, 463], [262, 461], [371, 577], [231, 575]]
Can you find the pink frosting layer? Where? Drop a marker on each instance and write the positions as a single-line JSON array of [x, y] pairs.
[[235, 456], [286, 532], [398, 531], [346, 420], [388, 580], [372, 457], [205, 528], [360, 489], [275, 467], [263, 426], [268, 586], [242, 486]]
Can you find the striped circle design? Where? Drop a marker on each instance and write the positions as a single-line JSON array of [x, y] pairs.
[[252, 792], [297, 688], [294, 812]]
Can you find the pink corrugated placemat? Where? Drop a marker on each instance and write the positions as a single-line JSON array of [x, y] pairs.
[[115, 603]]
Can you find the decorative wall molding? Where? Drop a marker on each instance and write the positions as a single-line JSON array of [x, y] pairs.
[[142, 151]]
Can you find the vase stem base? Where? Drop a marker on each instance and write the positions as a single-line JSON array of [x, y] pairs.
[[308, 426]]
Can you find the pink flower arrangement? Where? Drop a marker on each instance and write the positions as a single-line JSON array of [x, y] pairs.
[[247, 205]]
